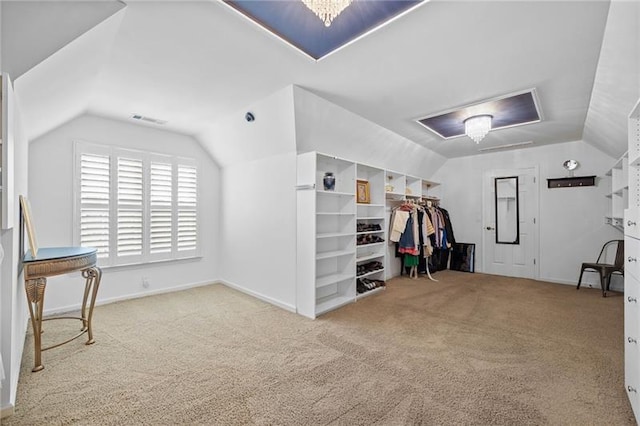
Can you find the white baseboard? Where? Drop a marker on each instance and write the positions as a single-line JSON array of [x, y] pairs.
[[585, 284], [6, 411], [77, 306], [562, 281], [285, 306]]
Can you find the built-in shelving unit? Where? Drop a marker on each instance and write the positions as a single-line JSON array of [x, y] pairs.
[[631, 224], [342, 235], [618, 177], [371, 226]]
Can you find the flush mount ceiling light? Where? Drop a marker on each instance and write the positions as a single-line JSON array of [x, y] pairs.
[[327, 10], [477, 126]]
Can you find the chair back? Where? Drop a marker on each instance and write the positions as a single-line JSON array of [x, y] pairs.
[[619, 259]]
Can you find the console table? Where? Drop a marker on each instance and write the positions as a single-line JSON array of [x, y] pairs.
[[39, 264], [56, 261]]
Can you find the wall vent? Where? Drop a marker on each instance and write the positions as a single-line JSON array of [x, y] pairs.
[[509, 146], [147, 119]]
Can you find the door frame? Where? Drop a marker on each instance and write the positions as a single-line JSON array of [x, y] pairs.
[[536, 211]]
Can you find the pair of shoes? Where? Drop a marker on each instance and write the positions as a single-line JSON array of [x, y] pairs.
[[368, 267], [365, 227], [368, 239], [364, 284]]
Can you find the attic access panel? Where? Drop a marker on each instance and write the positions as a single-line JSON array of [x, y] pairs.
[[297, 25], [507, 111]]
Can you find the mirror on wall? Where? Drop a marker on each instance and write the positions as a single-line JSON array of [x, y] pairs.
[[507, 210]]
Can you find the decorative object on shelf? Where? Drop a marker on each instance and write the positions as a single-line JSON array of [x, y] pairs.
[[570, 165], [362, 191], [327, 10], [478, 126], [570, 182], [329, 181], [388, 187]]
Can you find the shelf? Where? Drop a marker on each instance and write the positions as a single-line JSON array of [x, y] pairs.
[[370, 273], [337, 253], [370, 245], [336, 193], [370, 292], [335, 234], [369, 257], [334, 214], [329, 303], [370, 232], [370, 218], [369, 205], [326, 280], [571, 182]]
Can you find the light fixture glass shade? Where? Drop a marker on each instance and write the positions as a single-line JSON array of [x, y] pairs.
[[327, 10], [477, 126]]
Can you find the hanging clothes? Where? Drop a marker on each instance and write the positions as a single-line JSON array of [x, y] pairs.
[[398, 222]]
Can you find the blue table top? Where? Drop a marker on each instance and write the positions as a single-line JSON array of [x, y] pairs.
[[50, 253]]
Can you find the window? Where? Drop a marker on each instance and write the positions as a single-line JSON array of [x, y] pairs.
[[135, 207]]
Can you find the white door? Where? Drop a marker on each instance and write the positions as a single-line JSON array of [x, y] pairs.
[[516, 255]]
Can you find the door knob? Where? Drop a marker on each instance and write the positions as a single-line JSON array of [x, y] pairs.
[[489, 228], [632, 299], [632, 259], [631, 340], [629, 223]]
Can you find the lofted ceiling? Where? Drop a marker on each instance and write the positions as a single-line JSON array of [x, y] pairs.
[[194, 63]]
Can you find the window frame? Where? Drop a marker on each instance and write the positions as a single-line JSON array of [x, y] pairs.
[[147, 157]]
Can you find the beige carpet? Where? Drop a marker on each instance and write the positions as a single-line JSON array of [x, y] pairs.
[[471, 349]]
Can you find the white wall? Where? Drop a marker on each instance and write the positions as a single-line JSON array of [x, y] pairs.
[[51, 195], [571, 220], [328, 128], [13, 310], [258, 209], [238, 141], [258, 235]]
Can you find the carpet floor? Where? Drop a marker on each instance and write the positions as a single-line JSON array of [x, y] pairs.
[[470, 349]]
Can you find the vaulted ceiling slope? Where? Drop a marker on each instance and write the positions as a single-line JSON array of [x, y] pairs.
[[194, 63], [617, 84], [34, 30]]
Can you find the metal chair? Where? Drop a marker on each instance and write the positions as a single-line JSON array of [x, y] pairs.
[[606, 269]]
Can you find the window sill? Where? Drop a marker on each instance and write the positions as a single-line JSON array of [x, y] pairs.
[[138, 265]]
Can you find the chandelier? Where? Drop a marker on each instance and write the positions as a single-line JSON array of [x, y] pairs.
[[477, 126], [327, 10]]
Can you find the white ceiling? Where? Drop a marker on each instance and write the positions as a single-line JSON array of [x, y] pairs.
[[194, 63]]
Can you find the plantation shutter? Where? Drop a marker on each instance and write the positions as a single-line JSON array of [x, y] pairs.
[[187, 221], [133, 206], [95, 178], [160, 208], [130, 207]]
